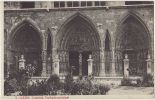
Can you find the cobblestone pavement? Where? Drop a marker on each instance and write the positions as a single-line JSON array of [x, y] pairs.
[[129, 90]]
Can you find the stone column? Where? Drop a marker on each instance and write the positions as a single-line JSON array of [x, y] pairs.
[[148, 62], [80, 63], [54, 44], [56, 65], [44, 73], [9, 56], [102, 68], [90, 65], [44, 55], [126, 66], [49, 66], [54, 53], [113, 70], [102, 58], [22, 62]]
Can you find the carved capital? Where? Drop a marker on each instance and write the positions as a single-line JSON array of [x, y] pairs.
[[44, 53], [99, 27], [99, 24], [43, 31], [54, 28]]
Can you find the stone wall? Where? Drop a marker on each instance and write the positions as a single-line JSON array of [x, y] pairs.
[[47, 4], [103, 18], [108, 18]]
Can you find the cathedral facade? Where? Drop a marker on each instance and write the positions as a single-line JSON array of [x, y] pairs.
[[102, 38]]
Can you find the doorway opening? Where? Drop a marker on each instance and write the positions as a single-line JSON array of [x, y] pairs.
[[26, 41], [78, 62], [133, 40]]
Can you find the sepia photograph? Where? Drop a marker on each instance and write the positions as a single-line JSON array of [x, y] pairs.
[[78, 49]]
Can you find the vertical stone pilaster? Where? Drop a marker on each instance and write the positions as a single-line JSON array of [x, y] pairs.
[[148, 62], [56, 65], [49, 65], [93, 3], [80, 63], [90, 65], [54, 32], [102, 58], [44, 55], [126, 66], [113, 70], [65, 4], [8, 62], [44, 73], [54, 48], [54, 53], [102, 63]]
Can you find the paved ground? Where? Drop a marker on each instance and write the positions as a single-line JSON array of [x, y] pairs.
[[129, 90]]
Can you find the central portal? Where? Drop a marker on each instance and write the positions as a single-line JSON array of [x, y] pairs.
[[78, 39], [78, 62]]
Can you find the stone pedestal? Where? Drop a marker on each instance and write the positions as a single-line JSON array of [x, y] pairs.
[[90, 65], [22, 62], [148, 62], [49, 69], [102, 69], [43, 69], [126, 66], [113, 70], [44, 73], [56, 66], [80, 64]]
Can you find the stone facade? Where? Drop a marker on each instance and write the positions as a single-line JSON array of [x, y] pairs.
[[102, 21]]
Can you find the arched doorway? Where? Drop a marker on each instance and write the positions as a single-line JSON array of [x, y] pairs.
[[132, 39], [78, 40], [25, 40]]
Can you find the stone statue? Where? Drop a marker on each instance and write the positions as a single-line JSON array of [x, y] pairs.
[[22, 62], [126, 56], [148, 56], [90, 56]]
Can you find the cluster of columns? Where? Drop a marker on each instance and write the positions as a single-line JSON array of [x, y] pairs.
[[56, 60], [55, 57], [102, 69], [56, 66], [126, 65]]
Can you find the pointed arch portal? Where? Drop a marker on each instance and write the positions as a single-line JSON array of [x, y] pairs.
[[26, 40], [79, 39], [132, 39]]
